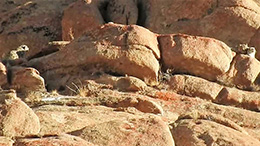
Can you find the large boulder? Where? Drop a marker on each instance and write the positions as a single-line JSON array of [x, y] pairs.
[[194, 87], [80, 17], [122, 49], [26, 80], [243, 73], [239, 98], [204, 133], [143, 131], [209, 18], [17, 119], [200, 56]]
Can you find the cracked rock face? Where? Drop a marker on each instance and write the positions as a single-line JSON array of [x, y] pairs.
[[130, 72]]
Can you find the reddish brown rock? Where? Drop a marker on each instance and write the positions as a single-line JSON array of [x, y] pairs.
[[33, 23], [130, 50], [4, 141], [122, 12], [27, 80], [194, 87], [61, 140], [205, 133], [80, 17], [204, 18], [16, 118], [148, 130], [243, 73], [239, 98], [200, 56]]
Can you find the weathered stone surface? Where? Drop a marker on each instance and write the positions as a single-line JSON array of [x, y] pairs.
[[243, 73], [204, 18], [179, 105], [80, 17], [239, 98], [4, 141], [204, 133], [194, 87], [16, 118], [201, 56], [61, 140], [27, 80], [130, 50], [148, 130], [122, 11], [33, 23]]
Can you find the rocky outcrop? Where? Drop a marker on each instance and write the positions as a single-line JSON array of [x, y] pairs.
[[123, 84], [138, 131], [199, 56], [239, 98], [17, 119], [201, 132], [205, 18], [194, 87], [26, 80], [243, 73], [130, 50]]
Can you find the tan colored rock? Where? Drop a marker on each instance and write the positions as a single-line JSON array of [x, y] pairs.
[[200, 56], [130, 50], [194, 87], [204, 18], [5, 141], [148, 130], [243, 72], [239, 98], [205, 132], [17, 119], [27, 80], [61, 140], [122, 12], [78, 18]]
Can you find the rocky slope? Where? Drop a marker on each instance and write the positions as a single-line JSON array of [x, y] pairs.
[[137, 72]]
